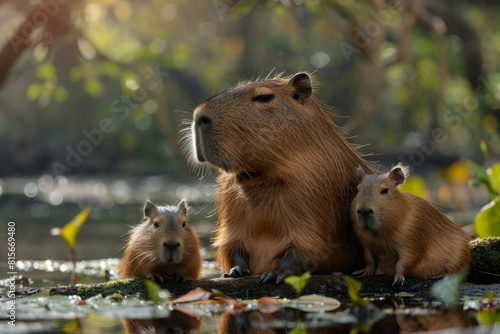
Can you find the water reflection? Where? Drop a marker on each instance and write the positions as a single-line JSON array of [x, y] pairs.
[[286, 320], [178, 322]]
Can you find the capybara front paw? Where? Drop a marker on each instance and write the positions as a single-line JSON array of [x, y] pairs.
[[398, 279], [181, 279], [238, 271], [280, 276], [162, 279], [159, 279], [368, 271]]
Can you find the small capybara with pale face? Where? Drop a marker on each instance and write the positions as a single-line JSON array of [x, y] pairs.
[[402, 234], [163, 245], [287, 178]]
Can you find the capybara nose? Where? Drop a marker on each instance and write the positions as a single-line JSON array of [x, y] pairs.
[[171, 247], [365, 212], [203, 123]]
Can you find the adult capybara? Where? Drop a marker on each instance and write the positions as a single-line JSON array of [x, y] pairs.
[[405, 235], [287, 178]]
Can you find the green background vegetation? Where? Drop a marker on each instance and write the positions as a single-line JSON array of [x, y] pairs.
[[414, 77]]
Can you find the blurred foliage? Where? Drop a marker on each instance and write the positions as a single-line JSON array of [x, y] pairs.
[[487, 221], [145, 64], [449, 289], [298, 282], [353, 288], [415, 185]]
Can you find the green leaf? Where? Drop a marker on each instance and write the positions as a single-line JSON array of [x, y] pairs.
[[487, 221], [489, 317], [484, 148], [33, 92], [45, 70], [298, 282], [155, 292], [449, 288], [353, 287], [494, 177], [481, 175], [70, 231], [94, 87], [299, 328], [490, 295]]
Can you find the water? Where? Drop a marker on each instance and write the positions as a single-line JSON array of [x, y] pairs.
[[37, 205]]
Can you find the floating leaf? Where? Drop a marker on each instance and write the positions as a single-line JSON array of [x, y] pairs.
[[487, 221], [449, 288], [314, 303], [298, 282], [70, 231], [193, 295]]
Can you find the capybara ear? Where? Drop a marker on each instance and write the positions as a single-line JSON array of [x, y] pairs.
[[361, 174], [398, 174], [149, 209], [182, 208], [302, 86]]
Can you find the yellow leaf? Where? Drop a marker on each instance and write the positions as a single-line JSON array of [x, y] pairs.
[[70, 231]]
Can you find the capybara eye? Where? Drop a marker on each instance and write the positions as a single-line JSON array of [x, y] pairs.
[[183, 224], [156, 224], [264, 98], [384, 191]]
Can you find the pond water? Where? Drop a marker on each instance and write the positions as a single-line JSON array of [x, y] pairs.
[[37, 205]]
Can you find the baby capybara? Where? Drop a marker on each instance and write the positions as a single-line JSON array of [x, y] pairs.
[[402, 234]]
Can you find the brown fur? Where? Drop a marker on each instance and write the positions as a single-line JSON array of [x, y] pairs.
[[405, 235], [147, 253], [287, 177]]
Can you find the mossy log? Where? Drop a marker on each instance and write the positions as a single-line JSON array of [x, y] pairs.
[[485, 259], [249, 288]]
